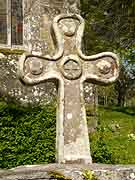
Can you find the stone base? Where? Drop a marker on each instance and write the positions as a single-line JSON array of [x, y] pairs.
[[70, 172]]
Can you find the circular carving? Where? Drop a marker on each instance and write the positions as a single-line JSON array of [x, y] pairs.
[[36, 66], [104, 67], [71, 69]]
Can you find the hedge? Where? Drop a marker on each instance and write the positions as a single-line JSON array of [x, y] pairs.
[[27, 135]]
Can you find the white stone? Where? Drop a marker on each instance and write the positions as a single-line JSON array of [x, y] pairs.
[[69, 116], [2, 55], [132, 176]]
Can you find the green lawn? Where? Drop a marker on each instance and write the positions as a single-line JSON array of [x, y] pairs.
[[114, 140]]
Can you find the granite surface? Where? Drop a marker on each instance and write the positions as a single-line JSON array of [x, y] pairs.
[[70, 172]]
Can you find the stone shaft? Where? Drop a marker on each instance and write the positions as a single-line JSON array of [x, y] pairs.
[[72, 137]]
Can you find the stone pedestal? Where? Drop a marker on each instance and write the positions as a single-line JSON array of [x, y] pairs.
[[69, 172]]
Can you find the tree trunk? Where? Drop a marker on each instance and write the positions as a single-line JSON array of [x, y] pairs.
[[121, 99]]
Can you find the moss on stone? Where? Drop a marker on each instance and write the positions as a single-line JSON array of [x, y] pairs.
[[7, 51], [58, 175]]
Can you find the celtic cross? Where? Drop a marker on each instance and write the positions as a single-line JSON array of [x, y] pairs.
[[71, 68]]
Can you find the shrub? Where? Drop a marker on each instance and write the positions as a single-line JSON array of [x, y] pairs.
[[27, 135]]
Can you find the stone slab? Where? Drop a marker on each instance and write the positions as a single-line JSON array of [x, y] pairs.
[[69, 172]]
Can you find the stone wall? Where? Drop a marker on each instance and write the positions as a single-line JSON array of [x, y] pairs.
[[69, 172]]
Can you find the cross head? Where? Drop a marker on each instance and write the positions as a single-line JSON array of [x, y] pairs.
[[71, 68]]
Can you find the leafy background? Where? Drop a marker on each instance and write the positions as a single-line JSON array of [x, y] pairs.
[[27, 135]]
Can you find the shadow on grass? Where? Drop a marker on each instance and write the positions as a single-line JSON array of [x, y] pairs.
[[127, 110]]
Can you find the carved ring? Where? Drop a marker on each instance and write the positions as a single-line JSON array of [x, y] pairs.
[[104, 67], [71, 67]]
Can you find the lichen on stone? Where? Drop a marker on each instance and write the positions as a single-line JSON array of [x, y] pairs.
[[58, 175], [8, 51]]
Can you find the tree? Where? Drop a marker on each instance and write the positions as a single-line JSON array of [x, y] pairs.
[[126, 80], [110, 26], [109, 23]]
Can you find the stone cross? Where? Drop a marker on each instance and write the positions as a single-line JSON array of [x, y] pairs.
[[70, 67]]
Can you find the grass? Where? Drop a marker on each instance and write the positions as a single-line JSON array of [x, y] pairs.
[[114, 140]]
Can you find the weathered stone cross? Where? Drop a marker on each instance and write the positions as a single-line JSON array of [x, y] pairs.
[[71, 68]]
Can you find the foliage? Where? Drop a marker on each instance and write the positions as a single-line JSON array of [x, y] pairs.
[[107, 95], [113, 142], [110, 26], [109, 23], [123, 90], [27, 135], [89, 175], [126, 80]]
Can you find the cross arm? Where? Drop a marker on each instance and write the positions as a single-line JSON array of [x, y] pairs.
[[35, 69], [102, 68]]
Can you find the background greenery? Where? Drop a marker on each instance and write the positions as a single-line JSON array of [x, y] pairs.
[[27, 135], [114, 140]]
